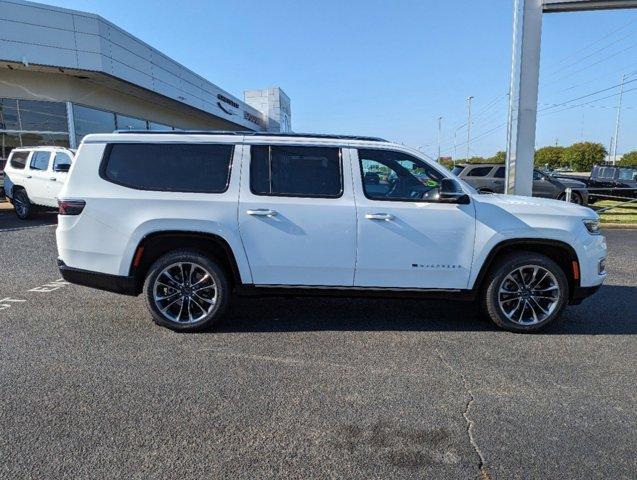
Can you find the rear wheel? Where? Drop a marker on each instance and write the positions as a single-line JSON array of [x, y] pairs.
[[525, 292], [186, 291], [24, 209]]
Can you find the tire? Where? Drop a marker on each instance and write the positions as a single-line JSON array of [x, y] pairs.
[[526, 311], [24, 209], [576, 198], [203, 306]]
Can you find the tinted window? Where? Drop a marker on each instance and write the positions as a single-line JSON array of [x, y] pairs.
[[184, 167], [537, 175], [499, 173], [130, 123], [61, 159], [479, 172], [627, 174], [9, 114], [8, 141], [295, 171], [40, 160], [91, 120], [19, 160], [457, 170], [45, 116], [390, 175]]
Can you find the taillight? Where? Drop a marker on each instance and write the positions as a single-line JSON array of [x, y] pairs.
[[70, 207]]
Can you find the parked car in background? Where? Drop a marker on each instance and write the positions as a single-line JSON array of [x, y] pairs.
[[489, 178], [609, 181], [195, 219], [3, 161], [34, 177]]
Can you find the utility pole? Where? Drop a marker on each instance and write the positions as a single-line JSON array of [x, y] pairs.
[[468, 126], [439, 131], [619, 111]]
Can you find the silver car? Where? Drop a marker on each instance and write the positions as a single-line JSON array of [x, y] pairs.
[[489, 178]]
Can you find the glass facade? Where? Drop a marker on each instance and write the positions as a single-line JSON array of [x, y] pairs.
[[28, 123]]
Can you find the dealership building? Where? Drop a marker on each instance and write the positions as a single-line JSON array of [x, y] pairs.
[[65, 74]]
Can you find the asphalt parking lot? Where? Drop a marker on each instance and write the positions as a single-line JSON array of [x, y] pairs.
[[308, 388]]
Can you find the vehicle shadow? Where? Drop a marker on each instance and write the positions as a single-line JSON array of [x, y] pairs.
[[609, 312], [9, 220]]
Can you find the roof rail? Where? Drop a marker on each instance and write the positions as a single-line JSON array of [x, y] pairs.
[[251, 133]]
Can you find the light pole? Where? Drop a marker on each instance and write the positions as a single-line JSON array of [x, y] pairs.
[[439, 130], [619, 111], [468, 126]]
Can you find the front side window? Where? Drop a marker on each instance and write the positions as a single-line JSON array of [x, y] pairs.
[[40, 161], [169, 167], [537, 175], [19, 160], [280, 170], [479, 172], [60, 160], [627, 174], [390, 175]]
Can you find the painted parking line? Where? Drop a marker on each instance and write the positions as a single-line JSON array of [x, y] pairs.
[[9, 302]]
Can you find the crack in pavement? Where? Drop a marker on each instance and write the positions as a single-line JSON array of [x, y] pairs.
[[482, 467]]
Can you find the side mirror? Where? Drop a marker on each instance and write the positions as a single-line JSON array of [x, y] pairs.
[[451, 192], [62, 167]]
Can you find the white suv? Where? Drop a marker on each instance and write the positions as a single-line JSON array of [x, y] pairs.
[[193, 218], [33, 177]]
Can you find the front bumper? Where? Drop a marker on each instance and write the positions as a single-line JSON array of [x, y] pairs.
[[101, 281]]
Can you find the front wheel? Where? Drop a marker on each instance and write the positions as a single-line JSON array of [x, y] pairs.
[[575, 198], [186, 291], [525, 292]]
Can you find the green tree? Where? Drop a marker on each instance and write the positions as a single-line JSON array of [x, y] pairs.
[[629, 159], [551, 156], [583, 156], [477, 160], [499, 157]]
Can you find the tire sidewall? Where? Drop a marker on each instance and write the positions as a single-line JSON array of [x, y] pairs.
[[24, 199], [506, 266], [218, 276]]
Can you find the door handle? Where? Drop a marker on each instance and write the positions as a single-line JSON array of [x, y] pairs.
[[262, 212], [53, 179], [379, 216]]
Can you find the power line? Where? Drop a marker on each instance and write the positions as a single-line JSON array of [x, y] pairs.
[[587, 95], [608, 57], [588, 46]]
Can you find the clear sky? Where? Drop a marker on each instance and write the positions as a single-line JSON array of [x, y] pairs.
[[391, 68]]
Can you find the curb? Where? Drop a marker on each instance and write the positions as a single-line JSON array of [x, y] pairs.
[[618, 226]]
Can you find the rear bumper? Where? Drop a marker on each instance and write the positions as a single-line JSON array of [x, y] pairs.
[[581, 293], [101, 281]]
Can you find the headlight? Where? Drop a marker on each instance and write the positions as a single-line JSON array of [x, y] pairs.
[[592, 226]]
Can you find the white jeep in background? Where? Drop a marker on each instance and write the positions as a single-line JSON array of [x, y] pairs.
[[194, 218], [34, 176]]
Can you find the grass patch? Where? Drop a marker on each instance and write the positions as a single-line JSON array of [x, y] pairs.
[[623, 214]]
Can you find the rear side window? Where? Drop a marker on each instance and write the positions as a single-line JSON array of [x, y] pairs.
[[479, 172], [40, 161], [19, 160], [457, 170], [169, 167], [296, 171]]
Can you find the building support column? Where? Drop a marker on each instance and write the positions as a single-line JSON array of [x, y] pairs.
[[523, 93], [70, 119]]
